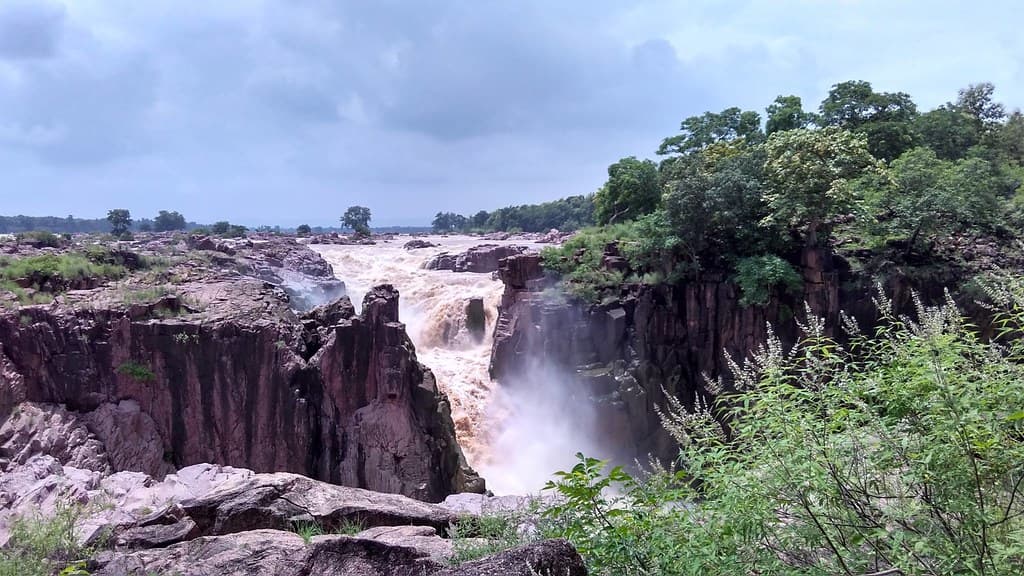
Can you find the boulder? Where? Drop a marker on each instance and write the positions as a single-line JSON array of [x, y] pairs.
[[548, 557], [279, 501], [481, 259], [418, 243]]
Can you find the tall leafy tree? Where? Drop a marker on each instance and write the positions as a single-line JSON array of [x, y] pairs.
[[885, 118], [699, 132], [632, 190], [166, 221], [948, 131], [715, 207], [976, 101], [357, 218], [808, 174], [787, 113], [120, 221], [1011, 138]]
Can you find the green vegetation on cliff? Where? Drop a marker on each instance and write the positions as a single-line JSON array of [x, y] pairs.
[[865, 172], [901, 452]]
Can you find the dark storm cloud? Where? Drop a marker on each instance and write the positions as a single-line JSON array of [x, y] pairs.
[[283, 111], [30, 29]]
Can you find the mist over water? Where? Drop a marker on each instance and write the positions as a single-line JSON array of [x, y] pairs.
[[515, 434]]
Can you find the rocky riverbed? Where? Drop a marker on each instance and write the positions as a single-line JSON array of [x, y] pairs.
[[207, 395]]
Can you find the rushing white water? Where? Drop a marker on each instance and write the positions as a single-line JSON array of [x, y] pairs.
[[514, 437], [432, 305]]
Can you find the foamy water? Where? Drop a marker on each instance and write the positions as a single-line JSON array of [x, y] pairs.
[[516, 436], [433, 306]]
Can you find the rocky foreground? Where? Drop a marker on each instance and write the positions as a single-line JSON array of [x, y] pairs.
[[199, 405]]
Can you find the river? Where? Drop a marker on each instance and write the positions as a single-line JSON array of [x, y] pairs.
[[513, 459]]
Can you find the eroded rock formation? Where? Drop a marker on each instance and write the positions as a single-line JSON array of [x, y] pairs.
[[626, 353], [482, 259], [222, 370]]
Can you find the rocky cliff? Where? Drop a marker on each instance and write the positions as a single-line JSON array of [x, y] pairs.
[[209, 364], [625, 354]]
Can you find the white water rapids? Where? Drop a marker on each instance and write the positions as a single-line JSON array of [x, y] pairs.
[[515, 440]]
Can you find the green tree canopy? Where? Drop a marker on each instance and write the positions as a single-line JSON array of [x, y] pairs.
[[787, 113], [885, 118], [120, 221], [357, 218], [166, 221], [948, 131], [976, 101], [632, 190], [716, 207], [808, 174], [699, 132], [303, 230]]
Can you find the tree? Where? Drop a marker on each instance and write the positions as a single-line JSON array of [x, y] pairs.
[[715, 208], [976, 102], [221, 227], [479, 220], [166, 221], [808, 173], [303, 230], [120, 221], [885, 118], [948, 131], [787, 113], [1011, 138], [702, 131], [632, 190], [145, 226], [357, 218]]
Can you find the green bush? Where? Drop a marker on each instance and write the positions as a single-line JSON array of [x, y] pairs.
[[900, 453], [61, 267], [44, 546], [758, 275], [42, 238], [137, 372], [475, 537], [579, 260]]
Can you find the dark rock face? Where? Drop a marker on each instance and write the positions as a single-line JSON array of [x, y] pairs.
[[623, 354], [482, 258], [303, 274], [333, 395], [418, 243]]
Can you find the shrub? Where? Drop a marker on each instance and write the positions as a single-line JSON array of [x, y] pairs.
[[579, 260], [897, 454], [475, 537], [62, 267], [137, 372], [43, 546], [758, 275], [41, 238]]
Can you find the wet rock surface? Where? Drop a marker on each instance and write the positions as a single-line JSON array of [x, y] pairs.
[[483, 258], [198, 417], [207, 361]]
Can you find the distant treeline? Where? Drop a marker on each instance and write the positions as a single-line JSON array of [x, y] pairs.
[[570, 213], [72, 225]]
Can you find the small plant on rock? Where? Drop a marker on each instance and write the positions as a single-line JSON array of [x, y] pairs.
[[137, 372]]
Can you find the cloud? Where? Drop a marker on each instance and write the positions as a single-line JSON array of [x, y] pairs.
[[30, 30], [223, 109]]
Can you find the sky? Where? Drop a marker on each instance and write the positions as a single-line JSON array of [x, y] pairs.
[[288, 111]]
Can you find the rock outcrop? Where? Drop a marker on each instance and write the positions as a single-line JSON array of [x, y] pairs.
[[221, 369], [344, 401], [482, 259], [417, 243], [208, 519], [623, 355]]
